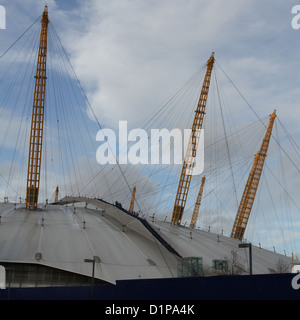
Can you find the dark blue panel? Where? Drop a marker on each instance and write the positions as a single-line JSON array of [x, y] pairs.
[[255, 287]]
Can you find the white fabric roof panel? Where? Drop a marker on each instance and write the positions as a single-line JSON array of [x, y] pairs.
[[65, 239], [62, 237], [190, 242]]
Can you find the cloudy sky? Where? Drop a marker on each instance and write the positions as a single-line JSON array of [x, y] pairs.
[[131, 56]]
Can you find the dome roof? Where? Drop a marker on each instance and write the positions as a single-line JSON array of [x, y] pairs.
[[63, 236], [124, 247]]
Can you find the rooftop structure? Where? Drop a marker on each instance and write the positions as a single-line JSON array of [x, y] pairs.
[[124, 246]]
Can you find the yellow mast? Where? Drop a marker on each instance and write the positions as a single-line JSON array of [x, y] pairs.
[[197, 205], [56, 194], [132, 200], [189, 159], [248, 197], [37, 121]]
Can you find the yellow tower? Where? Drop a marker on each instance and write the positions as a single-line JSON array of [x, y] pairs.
[[132, 200], [37, 121], [248, 197], [56, 194], [197, 205], [190, 156]]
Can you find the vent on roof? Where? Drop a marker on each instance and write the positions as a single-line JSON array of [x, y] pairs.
[[152, 263], [38, 256]]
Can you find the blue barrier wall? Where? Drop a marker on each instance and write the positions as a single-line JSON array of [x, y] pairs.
[[266, 287]]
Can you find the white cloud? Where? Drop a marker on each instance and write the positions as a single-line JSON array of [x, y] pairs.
[[136, 54], [132, 56]]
